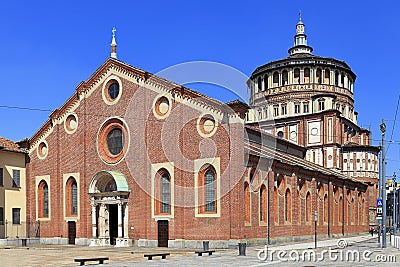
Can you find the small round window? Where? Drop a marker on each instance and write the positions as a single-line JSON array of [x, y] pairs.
[[113, 90], [42, 150], [115, 141], [206, 125]]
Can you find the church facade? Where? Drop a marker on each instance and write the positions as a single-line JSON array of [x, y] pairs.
[[133, 159]]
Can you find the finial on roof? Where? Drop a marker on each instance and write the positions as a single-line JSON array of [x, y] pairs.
[[113, 44], [300, 39]]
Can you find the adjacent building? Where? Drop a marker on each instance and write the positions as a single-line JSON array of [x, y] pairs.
[[12, 190]]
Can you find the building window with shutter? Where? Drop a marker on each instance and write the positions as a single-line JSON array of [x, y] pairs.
[[16, 178]]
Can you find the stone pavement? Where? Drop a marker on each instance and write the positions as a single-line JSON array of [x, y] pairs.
[[59, 255]]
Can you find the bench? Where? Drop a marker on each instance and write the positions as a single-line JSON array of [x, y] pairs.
[[162, 255], [82, 261], [200, 253]]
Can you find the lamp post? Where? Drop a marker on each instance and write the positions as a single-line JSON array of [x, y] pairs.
[[394, 205], [382, 181], [315, 227]]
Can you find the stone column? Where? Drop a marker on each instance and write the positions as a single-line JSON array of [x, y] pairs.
[[94, 224], [120, 219], [126, 227], [102, 218], [301, 76]]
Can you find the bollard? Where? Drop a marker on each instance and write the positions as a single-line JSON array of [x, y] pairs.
[[206, 245], [242, 249]]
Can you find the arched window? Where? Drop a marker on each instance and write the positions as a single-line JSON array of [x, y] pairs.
[[318, 76], [165, 193], [210, 191], [162, 192], [246, 202], [308, 207], [285, 77], [266, 82], [336, 78], [259, 84], [288, 206], [342, 79], [263, 203], [275, 79], [74, 203], [327, 76], [296, 76], [71, 193], [43, 200], [306, 75]]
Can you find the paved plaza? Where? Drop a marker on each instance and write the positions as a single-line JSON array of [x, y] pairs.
[[351, 251]]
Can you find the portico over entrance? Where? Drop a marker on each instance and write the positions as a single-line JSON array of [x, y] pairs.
[[109, 199]]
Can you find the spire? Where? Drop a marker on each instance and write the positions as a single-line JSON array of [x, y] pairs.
[[113, 44], [300, 40]]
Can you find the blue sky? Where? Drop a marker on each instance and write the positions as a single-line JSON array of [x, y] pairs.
[[49, 47]]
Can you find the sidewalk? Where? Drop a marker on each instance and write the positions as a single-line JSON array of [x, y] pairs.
[[323, 243]]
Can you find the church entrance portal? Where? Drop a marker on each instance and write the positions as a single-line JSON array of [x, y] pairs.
[[109, 199]]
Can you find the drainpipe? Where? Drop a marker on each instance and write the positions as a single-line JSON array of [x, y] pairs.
[[268, 210], [329, 207], [343, 209]]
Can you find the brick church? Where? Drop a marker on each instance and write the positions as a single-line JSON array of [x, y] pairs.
[[134, 159]]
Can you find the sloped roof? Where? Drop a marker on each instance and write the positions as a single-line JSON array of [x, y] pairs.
[[8, 145], [285, 158]]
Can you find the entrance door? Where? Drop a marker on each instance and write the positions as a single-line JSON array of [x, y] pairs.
[[163, 233], [113, 222], [71, 232]]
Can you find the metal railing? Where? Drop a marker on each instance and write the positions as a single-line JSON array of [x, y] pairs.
[[21, 230]]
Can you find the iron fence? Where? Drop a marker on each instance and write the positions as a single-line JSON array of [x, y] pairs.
[[21, 230]]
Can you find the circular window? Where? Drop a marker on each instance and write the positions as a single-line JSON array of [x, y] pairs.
[[42, 150], [162, 107], [113, 90], [345, 160], [71, 123], [314, 131], [207, 126], [115, 141], [293, 135], [112, 141], [330, 157]]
